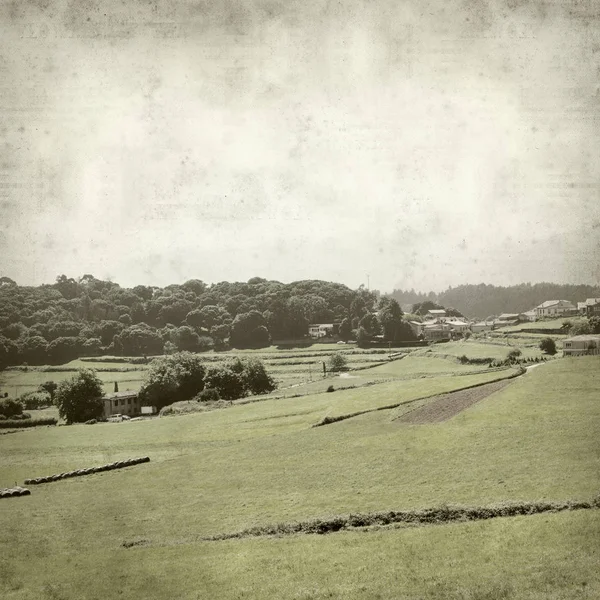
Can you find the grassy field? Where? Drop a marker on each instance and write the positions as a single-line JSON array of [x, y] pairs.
[[288, 367], [545, 324], [263, 463], [495, 349]]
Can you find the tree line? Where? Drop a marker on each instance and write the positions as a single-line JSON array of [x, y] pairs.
[[53, 324]]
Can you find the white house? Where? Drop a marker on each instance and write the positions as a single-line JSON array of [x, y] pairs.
[[581, 344], [555, 308], [320, 330]]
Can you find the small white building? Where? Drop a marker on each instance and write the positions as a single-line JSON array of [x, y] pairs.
[[122, 403], [320, 330], [581, 345]]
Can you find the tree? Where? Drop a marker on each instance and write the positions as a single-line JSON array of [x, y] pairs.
[[345, 329], [548, 346], [337, 362], [362, 337], [258, 381], [249, 330], [514, 354], [79, 398], [594, 324], [173, 378], [229, 383], [390, 317]]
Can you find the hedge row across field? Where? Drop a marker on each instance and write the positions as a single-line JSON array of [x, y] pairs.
[[428, 516], [109, 467], [21, 423], [12, 492]]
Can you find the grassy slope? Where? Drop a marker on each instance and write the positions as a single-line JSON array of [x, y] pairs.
[[259, 463]]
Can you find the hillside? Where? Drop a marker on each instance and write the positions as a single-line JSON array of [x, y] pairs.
[[480, 301]]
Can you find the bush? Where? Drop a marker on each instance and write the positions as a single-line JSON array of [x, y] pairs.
[[10, 408], [20, 423], [513, 354], [208, 395], [331, 389], [337, 362], [35, 400], [548, 346]]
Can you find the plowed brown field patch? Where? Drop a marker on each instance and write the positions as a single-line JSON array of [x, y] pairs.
[[445, 406]]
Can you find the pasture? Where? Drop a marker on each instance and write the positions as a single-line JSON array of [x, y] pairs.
[[288, 367], [137, 533]]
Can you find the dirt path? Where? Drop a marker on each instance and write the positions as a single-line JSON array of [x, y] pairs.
[[443, 407]]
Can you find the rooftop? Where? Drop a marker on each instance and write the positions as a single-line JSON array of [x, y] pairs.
[[126, 394]]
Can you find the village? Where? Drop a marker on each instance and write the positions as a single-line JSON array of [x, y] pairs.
[[438, 326]]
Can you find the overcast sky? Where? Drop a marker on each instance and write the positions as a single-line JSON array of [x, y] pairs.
[[424, 144]]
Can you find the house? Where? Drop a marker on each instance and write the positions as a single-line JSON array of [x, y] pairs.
[[592, 306], [436, 332], [530, 315], [555, 308], [582, 308], [482, 326], [458, 326], [581, 344], [320, 330], [417, 327], [436, 314], [122, 403]]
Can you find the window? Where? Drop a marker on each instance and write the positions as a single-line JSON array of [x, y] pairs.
[[129, 401], [116, 403]]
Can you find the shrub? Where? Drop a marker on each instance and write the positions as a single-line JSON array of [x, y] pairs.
[[337, 362], [35, 400], [208, 395], [513, 354], [10, 408], [464, 360], [331, 389], [20, 423], [548, 346]]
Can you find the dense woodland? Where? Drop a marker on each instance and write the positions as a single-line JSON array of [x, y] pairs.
[[86, 317], [481, 301]]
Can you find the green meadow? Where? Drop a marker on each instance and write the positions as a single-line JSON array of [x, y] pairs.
[[137, 532]]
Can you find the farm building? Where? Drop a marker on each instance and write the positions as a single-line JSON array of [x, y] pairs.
[[555, 308], [122, 403], [482, 326], [592, 306], [437, 332], [581, 344]]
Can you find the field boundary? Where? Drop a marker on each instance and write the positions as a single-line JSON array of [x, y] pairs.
[[329, 420], [428, 516]]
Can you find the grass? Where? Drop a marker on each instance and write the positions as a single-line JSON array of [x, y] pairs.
[[288, 367], [262, 463], [545, 324], [480, 349]]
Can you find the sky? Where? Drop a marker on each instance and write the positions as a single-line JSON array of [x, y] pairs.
[[403, 144]]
